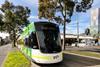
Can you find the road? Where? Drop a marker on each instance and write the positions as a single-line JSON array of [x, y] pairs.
[[70, 61], [3, 52]]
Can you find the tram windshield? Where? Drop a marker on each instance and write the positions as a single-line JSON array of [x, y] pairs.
[[49, 40]]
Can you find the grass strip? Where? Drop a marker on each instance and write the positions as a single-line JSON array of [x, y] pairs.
[[86, 53], [16, 59]]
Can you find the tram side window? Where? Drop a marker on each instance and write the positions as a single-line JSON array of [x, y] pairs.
[[33, 41]]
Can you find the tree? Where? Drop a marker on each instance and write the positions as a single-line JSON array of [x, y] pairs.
[[49, 8], [1, 22], [14, 17]]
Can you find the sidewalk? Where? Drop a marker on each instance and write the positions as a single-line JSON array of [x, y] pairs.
[[3, 52]]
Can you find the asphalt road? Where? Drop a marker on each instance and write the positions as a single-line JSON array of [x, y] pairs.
[[70, 61]]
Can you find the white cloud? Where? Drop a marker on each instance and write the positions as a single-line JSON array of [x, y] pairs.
[[3, 35]]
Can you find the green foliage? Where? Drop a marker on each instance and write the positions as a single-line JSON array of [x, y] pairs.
[[1, 22], [21, 42], [49, 8], [14, 18], [16, 59], [46, 9]]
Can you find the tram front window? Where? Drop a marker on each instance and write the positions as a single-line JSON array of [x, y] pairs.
[[49, 41]]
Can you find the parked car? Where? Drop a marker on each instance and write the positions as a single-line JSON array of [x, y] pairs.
[[81, 44]]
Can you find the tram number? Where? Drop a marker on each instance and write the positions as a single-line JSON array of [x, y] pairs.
[[55, 57]]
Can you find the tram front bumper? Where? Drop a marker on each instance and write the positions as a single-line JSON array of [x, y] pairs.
[[48, 58]]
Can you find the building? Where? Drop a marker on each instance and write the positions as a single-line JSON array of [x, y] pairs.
[[71, 39], [72, 36], [95, 21]]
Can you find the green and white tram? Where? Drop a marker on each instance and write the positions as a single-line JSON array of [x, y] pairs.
[[41, 42]]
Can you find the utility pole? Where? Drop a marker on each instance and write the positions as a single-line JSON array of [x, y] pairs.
[[76, 1], [77, 30]]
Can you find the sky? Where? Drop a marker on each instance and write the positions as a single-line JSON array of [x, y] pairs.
[[71, 28]]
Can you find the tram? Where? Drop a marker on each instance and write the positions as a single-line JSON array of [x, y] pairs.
[[41, 42]]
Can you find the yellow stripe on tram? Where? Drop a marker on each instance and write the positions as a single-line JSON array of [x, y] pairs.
[[42, 57]]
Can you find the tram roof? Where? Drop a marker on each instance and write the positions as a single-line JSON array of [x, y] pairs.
[[31, 27]]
